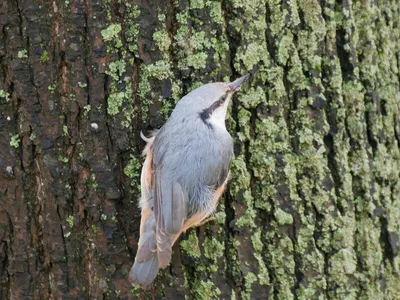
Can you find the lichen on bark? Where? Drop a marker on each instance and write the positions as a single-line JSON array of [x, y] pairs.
[[311, 209]]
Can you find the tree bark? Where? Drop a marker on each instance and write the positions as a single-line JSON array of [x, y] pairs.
[[312, 208]]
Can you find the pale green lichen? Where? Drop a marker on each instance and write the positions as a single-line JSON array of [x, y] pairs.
[[196, 4], [132, 25], [44, 57], [213, 249], [197, 60], [256, 241], [111, 33], [114, 103], [220, 217], [250, 56], [205, 290], [162, 39], [132, 170], [116, 69], [86, 109], [65, 130], [191, 245], [93, 181], [63, 159], [128, 111], [283, 217], [249, 279], [160, 70], [23, 53], [4, 95], [70, 221], [248, 218], [52, 88], [14, 141]]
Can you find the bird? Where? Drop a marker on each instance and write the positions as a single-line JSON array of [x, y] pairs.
[[184, 174]]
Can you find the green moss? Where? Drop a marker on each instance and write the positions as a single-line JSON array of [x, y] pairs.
[[15, 140], [191, 245]]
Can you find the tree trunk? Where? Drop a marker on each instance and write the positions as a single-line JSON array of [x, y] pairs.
[[312, 209]]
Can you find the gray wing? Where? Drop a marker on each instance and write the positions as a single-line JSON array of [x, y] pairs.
[[170, 214], [223, 169]]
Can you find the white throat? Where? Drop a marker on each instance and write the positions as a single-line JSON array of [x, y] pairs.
[[218, 116]]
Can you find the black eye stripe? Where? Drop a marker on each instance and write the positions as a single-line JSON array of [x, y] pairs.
[[206, 113]]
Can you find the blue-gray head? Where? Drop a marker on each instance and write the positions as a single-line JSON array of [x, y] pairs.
[[209, 102]]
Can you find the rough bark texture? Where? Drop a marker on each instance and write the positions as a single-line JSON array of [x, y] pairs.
[[313, 206]]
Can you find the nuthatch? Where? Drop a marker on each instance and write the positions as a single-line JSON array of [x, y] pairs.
[[184, 174]]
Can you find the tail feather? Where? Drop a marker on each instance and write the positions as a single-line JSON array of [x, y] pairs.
[[164, 245], [147, 247], [145, 268], [144, 273]]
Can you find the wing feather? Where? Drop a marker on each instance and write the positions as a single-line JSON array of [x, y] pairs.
[[170, 214]]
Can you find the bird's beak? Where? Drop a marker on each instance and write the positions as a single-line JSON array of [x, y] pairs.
[[237, 84]]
